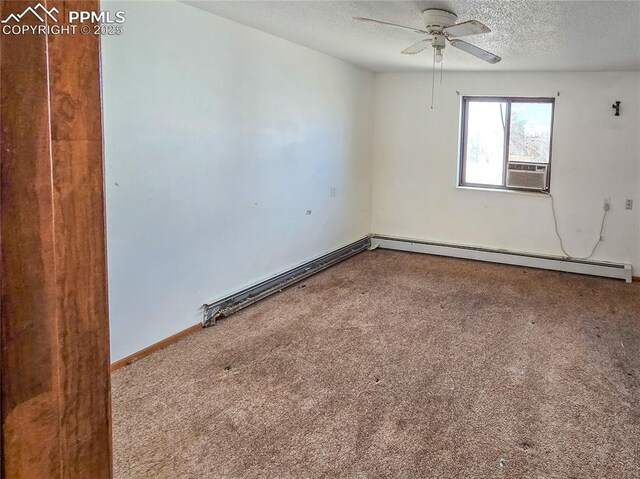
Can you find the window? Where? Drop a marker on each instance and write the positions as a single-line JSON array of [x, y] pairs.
[[506, 143]]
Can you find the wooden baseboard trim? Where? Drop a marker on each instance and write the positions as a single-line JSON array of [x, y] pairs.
[[635, 278], [154, 347]]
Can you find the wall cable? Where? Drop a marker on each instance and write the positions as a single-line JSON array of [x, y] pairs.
[[555, 223]]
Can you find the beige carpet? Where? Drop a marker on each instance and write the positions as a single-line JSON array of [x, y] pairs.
[[397, 365]]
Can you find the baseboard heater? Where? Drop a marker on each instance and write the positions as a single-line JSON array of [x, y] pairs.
[[557, 263], [252, 294]]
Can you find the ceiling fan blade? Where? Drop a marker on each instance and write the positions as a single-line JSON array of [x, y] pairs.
[[417, 47], [363, 19], [475, 51], [472, 27]]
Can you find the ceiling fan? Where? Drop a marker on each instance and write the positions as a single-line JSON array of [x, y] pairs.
[[440, 26]]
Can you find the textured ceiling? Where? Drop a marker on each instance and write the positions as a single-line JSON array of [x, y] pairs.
[[527, 34]]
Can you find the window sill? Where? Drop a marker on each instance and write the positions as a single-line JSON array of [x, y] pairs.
[[504, 190]]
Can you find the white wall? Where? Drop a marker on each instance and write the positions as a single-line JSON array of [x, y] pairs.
[[218, 139], [595, 155]]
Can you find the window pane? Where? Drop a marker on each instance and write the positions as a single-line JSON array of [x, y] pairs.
[[530, 134], [484, 151]]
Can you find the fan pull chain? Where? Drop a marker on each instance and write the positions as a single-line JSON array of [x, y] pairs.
[[433, 77], [441, 66]]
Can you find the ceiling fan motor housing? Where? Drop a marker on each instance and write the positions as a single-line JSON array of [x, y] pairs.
[[435, 19]]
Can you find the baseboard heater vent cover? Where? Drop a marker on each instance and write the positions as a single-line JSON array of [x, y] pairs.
[[252, 294], [556, 263]]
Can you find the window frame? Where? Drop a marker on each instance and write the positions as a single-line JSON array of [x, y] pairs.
[[463, 140]]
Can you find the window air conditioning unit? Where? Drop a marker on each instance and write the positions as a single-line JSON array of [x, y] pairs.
[[528, 176]]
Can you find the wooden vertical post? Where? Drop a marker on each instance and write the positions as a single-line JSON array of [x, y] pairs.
[[55, 345]]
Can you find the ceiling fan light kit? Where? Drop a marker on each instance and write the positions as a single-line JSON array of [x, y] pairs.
[[440, 28]]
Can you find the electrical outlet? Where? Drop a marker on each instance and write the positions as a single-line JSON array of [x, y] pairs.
[[606, 204], [334, 192], [628, 205]]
